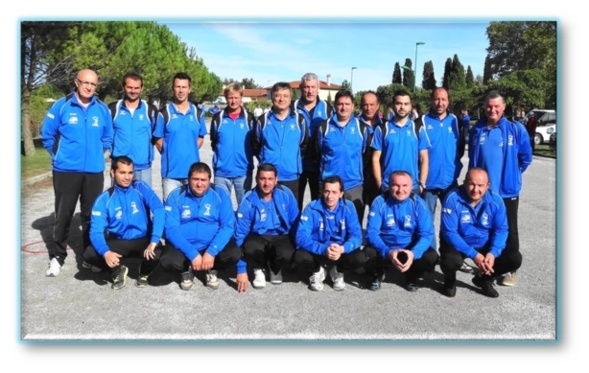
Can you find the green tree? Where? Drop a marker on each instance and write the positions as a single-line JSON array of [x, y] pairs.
[[469, 78], [447, 74], [488, 72], [345, 85], [457, 80], [429, 80], [408, 75], [516, 47], [249, 83], [397, 74]]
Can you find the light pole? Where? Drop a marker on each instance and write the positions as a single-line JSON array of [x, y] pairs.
[[352, 79], [414, 70]]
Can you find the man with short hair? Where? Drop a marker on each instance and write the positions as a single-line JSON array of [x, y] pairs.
[[181, 134], [76, 132], [371, 116], [340, 142], [329, 235], [445, 152], [502, 148], [127, 221], [399, 231], [399, 145], [134, 123], [315, 110], [280, 138], [264, 230], [231, 132], [474, 225], [200, 223]]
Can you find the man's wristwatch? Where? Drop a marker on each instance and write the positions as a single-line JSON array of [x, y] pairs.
[[422, 185]]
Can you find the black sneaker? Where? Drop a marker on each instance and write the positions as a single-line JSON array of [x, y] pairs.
[[142, 281], [119, 279], [187, 281], [411, 287], [449, 291], [487, 288]]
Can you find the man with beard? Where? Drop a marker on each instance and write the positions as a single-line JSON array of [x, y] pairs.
[[399, 145]]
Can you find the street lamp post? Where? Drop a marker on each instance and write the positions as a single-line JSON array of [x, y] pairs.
[[414, 69], [352, 79]]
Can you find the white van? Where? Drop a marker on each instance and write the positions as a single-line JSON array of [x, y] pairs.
[[545, 125]]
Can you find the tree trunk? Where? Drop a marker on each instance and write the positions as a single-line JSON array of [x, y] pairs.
[[29, 146]]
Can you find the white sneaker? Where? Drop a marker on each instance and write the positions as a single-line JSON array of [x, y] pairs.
[[259, 279], [276, 278], [212, 280], [316, 280], [54, 268], [337, 278]]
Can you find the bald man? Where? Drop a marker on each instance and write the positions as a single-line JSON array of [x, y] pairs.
[[76, 132]]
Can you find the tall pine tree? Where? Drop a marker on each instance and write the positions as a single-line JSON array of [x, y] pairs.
[[447, 73], [397, 74], [429, 80], [408, 74]]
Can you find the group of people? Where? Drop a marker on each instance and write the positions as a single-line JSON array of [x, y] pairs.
[[397, 168]]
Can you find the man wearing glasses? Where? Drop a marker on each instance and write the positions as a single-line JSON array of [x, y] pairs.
[[76, 132]]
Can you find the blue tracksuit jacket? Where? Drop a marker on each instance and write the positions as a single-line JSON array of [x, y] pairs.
[[469, 228], [504, 151], [125, 214], [276, 217], [321, 112], [394, 224], [319, 227], [75, 136], [232, 144]]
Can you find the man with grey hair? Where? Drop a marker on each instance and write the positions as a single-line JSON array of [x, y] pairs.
[[502, 148], [314, 110]]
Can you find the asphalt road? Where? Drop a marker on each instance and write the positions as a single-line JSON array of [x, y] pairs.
[[80, 305]]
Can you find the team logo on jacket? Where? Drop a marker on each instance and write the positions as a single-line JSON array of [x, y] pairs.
[[342, 223], [119, 214], [207, 209], [353, 131], [407, 221], [510, 140], [95, 122], [186, 213], [263, 215], [449, 129], [141, 116], [485, 220], [465, 219], [134, 208], [391, 222], [408, 132], [321, 226], [393, 130], [73, 119], [430, 127], [191, 117]]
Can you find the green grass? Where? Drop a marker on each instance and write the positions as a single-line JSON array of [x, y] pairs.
[[35, 165], [545, 151]]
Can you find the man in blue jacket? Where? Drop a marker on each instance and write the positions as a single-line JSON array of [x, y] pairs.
[[502, 148], [399, 231], [474, 225], [181, 134], [134, 123], [280, 138], [76, 132], [231, 132], [329, 235], [446, 149], [199, 228], [265, 222], [127, 221], [340, 142], [314, 110]]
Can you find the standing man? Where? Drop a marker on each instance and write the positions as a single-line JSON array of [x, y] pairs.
[[314, 110], [399, 145], [474, 225], [371, 117], [265, 220], [329, 235], [200, 223], [134, 123], [400, 231], [465, 123], [180, 134], [231, 132], [127, 220], [76, 132], [445, 151], [340, 142], [502, 148], [281, 137], [530, 126]]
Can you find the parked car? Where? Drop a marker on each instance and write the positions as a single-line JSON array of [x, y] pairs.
[[545, 125]]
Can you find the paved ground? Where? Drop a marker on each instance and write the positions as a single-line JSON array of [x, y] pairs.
[[79, 305]]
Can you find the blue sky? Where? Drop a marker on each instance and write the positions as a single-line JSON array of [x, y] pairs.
[[271, 51]]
